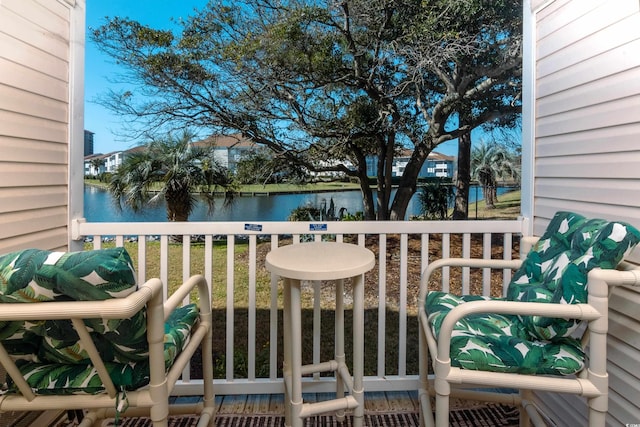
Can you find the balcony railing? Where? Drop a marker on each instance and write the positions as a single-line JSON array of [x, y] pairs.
[[247, 302]]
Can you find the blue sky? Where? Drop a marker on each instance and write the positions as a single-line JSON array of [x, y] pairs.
[[98, 67]]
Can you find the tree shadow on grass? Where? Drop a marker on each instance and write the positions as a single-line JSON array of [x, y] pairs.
[[327, 340]]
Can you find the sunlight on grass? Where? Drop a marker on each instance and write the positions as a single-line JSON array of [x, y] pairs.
[[196, 266]]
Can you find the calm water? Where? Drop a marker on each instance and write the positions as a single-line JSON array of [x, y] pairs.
[[99, 207]]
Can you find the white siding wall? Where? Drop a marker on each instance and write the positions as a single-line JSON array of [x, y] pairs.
[[587, 155], [35, 92]]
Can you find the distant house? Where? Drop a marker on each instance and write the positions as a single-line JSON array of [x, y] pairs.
[[229, 149], [113, 160], [329, 164], [437, 165], [110, 161], [91, 167]]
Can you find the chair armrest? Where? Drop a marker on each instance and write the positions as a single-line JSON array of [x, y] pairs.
[[116, 308], [204, 296], [157, 314], [526, 243], [566, 311], [600, 281], [461, 262]]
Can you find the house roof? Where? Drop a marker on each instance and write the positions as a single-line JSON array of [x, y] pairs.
[[236, 140], [434, 155]]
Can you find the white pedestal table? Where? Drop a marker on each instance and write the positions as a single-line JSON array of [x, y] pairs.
[[322, 261]]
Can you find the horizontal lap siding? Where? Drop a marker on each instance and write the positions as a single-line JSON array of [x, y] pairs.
[[587, 133], [34, 123]]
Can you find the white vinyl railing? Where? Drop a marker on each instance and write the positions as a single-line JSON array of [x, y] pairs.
[[403, 249]]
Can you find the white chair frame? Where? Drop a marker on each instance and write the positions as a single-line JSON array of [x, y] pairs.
[[152, 400], [591, 382]]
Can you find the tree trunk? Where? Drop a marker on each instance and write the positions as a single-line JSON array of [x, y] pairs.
[[490, 196], [494, 194], [463, 180], [368, 206], [401, 202], [384, 178], [408, 184], [178, 209], [178, 205], [367, 195]]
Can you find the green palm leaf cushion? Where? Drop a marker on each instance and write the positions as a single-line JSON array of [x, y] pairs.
[[37, 275], [554, 271], [557, 267], [73, 378], [52, 347], [498, 343]]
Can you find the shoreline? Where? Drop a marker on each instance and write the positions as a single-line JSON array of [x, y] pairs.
[[273, 189], [270, 190]]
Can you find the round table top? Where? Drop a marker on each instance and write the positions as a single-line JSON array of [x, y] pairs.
[[320, 261]]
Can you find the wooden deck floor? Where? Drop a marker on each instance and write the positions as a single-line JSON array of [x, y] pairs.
[[260, 404], [396, 401], [401, 404]]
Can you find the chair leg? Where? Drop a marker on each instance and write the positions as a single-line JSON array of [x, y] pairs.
[[209, 409], [426, 410], [597, 418], [526, 396], [159, 414], [443, 393], [442, 410]]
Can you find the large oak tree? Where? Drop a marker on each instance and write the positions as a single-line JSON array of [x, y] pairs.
[[327, 84]]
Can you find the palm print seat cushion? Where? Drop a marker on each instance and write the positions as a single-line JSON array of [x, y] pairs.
[[49, 353], [555, 271]]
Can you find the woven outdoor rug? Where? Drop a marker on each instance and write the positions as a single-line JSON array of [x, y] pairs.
[[481, 416]]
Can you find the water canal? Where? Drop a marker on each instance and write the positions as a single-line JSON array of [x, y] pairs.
[[99, 206]]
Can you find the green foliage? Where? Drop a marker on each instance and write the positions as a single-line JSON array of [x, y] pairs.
[[105, 177], [254, 168], [358, 216], [304, 213], [491, 163], [323, 212], [435, 199], [174, 169], [326, 85]]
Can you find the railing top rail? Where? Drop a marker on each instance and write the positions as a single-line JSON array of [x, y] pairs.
[[82, 228]]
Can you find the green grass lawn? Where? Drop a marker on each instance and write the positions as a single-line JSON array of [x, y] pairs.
[[507, 207]]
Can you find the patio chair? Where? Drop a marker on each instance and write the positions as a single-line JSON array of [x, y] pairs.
[[77, 333], [535, 337]]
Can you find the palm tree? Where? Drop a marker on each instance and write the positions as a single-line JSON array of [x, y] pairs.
[[172, 169], [96, 165], [491, 163]]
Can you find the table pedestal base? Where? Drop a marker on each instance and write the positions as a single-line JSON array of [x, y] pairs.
[[293, 370], [322, 261]]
